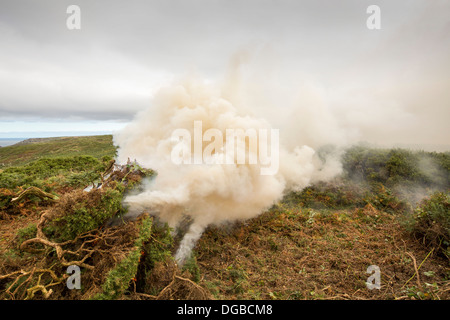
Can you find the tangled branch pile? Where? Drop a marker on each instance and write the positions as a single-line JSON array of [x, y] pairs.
[[73, 230]]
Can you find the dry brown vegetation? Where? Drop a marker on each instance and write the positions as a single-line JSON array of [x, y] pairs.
[[306, 254], [314, 244]]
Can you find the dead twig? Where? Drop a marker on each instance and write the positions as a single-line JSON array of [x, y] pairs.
[[416, 273], [145, 295], [30, 274], [39, 287], [417, 268]]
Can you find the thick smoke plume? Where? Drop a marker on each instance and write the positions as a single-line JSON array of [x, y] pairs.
[[212, 194]]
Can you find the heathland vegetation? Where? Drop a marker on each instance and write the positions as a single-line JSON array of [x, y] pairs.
[[58, 197]]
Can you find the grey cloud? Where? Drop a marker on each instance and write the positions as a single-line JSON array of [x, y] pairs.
[[125, 49]]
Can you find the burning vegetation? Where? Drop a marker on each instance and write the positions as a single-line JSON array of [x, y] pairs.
[[316, 243]]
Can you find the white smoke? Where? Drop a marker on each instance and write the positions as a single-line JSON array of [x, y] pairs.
[[213, 193]]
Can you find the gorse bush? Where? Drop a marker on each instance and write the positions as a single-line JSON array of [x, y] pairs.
[[192, 267], [384, 199], [431, 221], [156, 253], [79, 212], [327, 195], [395, 166], [47, 167], [75, 171], [119, 278], [5, 197], [26, 233]]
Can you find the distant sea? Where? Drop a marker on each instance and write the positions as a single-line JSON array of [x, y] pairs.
[[4, 142], [15, 137]]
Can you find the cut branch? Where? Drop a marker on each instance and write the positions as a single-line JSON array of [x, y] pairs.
[[41, 238], [35, 191]]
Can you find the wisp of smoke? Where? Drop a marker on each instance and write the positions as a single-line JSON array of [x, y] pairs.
[[209, 193]]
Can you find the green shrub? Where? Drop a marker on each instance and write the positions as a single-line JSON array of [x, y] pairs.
[[77, 171], [384, 199], [81, 212], [118, 278], [394, 166], [158, 250], [81, 179], [5, 197], [327, 195], [156, 268], [26, 233], [431, 222], [192, 267]]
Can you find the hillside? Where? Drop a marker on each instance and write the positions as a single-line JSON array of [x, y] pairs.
[[390, 208], [32, 149]]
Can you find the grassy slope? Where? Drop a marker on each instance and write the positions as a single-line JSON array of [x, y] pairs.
[[96, 146]]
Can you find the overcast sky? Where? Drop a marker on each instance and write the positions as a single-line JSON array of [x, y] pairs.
[[98, 77]]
